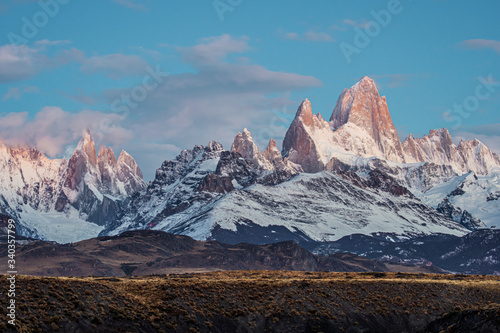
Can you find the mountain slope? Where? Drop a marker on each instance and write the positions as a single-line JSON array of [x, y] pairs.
[[209, 193], [475, 194], [361, 137]]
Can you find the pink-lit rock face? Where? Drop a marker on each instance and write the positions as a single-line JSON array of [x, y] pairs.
[[244, 145], [299, 144], [438, 147], [128, 172], [361, 105], [116, 177], [270, 159], [272, 154]]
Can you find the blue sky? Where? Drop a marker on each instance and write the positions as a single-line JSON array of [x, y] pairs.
[[220, 66]]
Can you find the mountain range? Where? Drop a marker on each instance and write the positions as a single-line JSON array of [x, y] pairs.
[[331, 179]]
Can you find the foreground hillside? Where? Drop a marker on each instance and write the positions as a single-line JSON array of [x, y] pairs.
[[147, 252], [259, 301]]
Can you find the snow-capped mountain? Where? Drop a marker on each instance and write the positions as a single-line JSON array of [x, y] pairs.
[[29, 180], [65, 200], [361, 126], [95, 184], [360, 179], [185, 189]]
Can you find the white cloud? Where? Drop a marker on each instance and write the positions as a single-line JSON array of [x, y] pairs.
[[221, 96], [481, 44], [21, 62], [212, 50], [14, 93], [310, 36], [13, 120], [115, 66]]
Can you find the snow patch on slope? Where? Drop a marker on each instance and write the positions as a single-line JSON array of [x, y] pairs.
[[60, 228]]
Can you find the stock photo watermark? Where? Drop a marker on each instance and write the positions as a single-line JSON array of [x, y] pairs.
[[371, 29], [460, 111], [278, 123], [223, 6], [31, 26], [127, 101], [11, 272]]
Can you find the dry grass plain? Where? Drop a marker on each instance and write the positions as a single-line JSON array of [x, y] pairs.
[[257, 301]]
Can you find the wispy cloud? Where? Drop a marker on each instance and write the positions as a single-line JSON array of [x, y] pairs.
[[475, 44], [13, 120], [14, 93], [132, 4], [52, 42], [336, 27], [17, 92], [219, 96], [352, 23], [396, 80], [486, 129], [310, 36], [21, 62], [213, 50], [83, 97]]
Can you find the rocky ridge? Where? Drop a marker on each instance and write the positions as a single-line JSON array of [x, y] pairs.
[[87, 191]]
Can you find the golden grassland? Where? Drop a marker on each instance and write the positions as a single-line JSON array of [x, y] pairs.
[[247, 301]]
